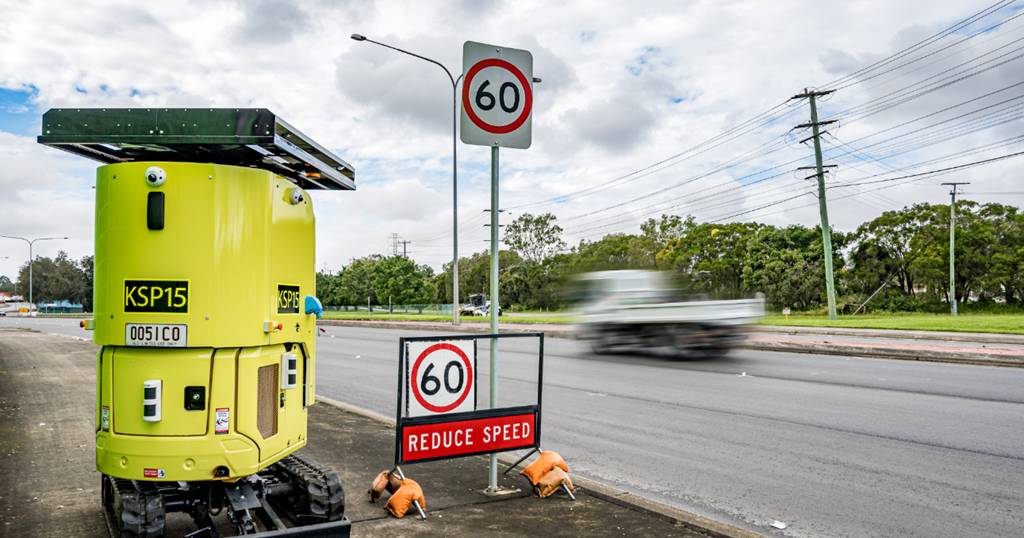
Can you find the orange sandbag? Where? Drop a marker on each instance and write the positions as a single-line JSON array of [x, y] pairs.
[[553, 481], [394, 482], [401, 500], [384, 481], [548, 460], [378, 486]]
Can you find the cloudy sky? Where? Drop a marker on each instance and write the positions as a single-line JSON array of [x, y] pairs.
[[626, 85]]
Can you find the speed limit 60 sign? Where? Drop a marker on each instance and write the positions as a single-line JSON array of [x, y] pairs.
[[497, 96], [441, 377]]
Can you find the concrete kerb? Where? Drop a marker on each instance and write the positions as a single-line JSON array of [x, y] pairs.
[[931, 355], [599, 490], [945, 336]]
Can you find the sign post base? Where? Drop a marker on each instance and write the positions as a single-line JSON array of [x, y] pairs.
[[499, 491]]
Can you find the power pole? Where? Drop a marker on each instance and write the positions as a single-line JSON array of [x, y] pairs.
[[405, 251], [826, 233], [394, 244], [952, 243]]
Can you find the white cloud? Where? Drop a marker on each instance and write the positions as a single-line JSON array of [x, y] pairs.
[[625, 85]]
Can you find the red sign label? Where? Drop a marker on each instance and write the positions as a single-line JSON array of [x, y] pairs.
[[449, 439]]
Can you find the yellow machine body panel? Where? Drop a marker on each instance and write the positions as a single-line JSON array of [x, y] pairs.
[[208, 354], [176, 369]]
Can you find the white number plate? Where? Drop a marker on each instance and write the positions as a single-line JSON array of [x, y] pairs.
[[155, 335]]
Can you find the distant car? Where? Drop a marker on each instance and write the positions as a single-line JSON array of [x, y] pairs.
[[478, 306]]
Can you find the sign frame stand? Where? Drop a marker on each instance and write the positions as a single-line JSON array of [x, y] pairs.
[[409, 425], [423, 515]]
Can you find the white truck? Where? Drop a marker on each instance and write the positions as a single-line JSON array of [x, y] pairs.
[[638, 310]]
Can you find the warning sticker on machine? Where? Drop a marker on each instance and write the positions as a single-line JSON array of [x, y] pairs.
[[153, 473], [222, 420]]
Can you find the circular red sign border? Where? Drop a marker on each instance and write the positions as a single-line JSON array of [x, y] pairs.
[[415, 370], [468, 107]]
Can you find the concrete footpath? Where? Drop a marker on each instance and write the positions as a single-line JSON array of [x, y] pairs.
[[966, 348], [51, 488]]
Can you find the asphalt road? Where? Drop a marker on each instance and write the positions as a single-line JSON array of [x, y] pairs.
[[832, 446]]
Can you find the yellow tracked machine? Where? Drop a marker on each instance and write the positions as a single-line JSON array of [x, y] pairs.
[[206, 312]]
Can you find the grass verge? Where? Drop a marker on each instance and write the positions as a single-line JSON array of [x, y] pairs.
[[976, 323]]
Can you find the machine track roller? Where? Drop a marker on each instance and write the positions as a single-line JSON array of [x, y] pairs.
[[317, 491], [134, 508]]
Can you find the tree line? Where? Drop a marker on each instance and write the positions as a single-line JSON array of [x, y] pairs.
[[898, 259], [55, 279]]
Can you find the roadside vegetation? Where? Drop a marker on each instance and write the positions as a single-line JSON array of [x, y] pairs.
[[897, 262], [54, 279], [981, 323], [894, 264]]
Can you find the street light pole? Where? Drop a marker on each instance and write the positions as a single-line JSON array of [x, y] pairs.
[[30, 260], [455, 174]]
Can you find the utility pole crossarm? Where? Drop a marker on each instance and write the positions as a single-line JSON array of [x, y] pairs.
[[811, 93], [815, 123]]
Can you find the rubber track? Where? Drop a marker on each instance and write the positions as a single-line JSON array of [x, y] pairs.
[[141, 512], [321, 485]]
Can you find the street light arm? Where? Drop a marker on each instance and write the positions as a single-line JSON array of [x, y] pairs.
[[25, 239], [413, 54], [46, 239]]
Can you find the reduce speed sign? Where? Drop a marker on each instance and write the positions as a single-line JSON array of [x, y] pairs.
[[497, 96], [440, 377]]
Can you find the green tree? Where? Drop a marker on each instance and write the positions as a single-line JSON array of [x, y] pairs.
[[398, 280], [709, 258], [355, 282], [534, 237], [1005, 276], [613, 251], [59, 278], [328, 289], [6, 284], [86, 264], [785, 264]]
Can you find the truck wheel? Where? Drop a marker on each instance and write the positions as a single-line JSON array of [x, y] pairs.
[[600, 344]]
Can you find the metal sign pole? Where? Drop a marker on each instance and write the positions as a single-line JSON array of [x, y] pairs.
[[492, 484]]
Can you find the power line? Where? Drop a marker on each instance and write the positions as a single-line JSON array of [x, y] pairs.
[[925, 42], [946, 47], [914, 177], [711, 143]]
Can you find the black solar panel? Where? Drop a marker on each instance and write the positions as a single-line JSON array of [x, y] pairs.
[[237, 136]]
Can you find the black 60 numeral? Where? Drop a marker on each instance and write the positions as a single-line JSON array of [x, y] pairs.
[[485, 100], [430, 384]]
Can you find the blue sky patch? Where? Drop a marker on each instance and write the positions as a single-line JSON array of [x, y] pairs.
[[644, 61], [18, 114]]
